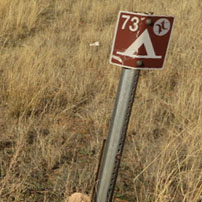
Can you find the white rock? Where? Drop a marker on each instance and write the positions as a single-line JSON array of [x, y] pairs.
[[97, 43], [79, 197]]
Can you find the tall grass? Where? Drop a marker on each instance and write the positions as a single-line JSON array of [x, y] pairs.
[[57, 96]]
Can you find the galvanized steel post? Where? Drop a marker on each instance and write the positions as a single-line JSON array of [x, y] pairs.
[[115, 141]]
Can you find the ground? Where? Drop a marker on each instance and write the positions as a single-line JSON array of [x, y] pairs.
[[57, 95]]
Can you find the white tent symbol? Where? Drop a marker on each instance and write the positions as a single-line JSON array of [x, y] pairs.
[[132, 50]]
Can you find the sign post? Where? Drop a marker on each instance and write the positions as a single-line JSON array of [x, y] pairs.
[[115, 141], [140, 42]]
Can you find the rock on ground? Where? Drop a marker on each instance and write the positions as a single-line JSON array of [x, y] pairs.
[[78, 197]]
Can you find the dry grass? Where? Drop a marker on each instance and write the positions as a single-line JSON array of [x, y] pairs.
[[57, 96]]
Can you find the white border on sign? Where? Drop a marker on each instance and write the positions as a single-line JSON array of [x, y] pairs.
[[113, 42]]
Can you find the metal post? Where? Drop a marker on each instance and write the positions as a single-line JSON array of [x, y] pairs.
[[115, 141]]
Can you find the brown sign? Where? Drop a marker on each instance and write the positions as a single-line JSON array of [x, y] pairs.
[[141, 40]]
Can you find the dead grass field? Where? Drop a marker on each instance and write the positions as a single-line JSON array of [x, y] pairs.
[[57, 96]]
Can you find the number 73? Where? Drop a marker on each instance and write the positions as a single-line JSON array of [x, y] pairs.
[[134, 26]]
